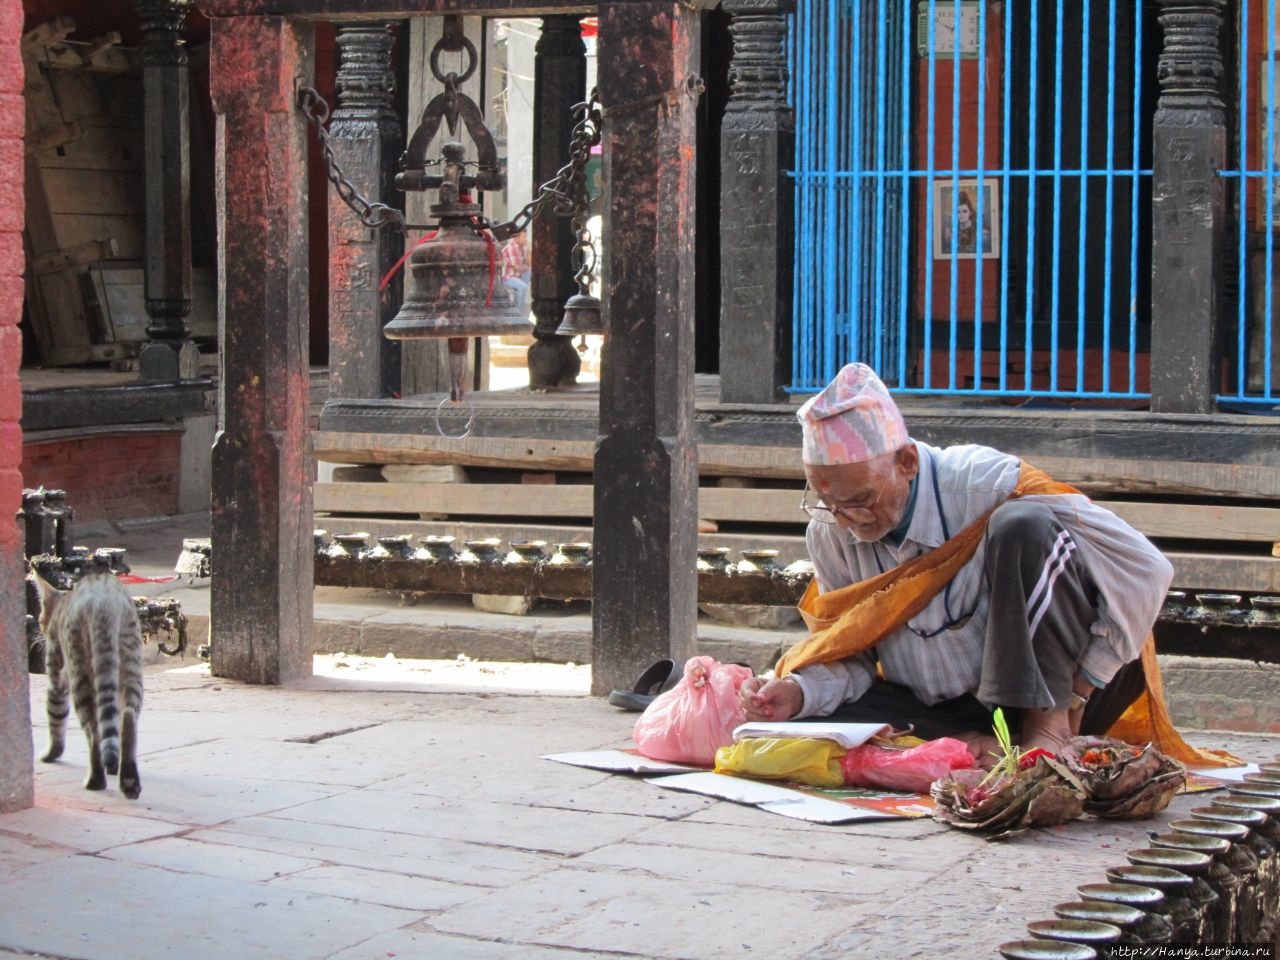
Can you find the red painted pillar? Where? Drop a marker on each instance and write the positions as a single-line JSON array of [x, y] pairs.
[[260, 596], [16, 787], [644, 545]]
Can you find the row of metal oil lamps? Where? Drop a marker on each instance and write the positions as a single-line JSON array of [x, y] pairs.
[[1213, 877], [532, 568], [444, 549]]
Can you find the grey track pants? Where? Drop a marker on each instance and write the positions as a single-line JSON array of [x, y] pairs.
[[1043, 602]]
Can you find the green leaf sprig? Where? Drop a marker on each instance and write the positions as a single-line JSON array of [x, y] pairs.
[[1009, 756]]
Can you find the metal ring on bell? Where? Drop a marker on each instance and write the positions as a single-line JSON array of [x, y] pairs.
[[471, 418]]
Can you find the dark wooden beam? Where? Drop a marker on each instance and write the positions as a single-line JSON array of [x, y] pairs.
[[1228, 439], [382, 9], [260, 594], [98, 406], [645, 535]]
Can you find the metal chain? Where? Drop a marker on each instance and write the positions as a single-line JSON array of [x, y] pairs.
[[372, 215], [567, 191]]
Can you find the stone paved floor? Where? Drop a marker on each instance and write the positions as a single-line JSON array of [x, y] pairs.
[[400, 809]]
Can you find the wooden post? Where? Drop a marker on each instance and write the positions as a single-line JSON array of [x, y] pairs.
[[260, 597], [560, 80], [644, 585], [1189, 211], [366, 138], [170, 354], [17, 784], [756, 233]]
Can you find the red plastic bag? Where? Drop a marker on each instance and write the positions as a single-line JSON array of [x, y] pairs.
[[911, 770], [696, 716]]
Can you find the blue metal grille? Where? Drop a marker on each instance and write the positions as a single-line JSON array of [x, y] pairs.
[[1252, 357], [972, 195]]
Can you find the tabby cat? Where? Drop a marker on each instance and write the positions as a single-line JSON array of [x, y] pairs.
[[93, 651]]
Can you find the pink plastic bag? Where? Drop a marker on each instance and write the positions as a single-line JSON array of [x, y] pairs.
[[696, 716], [911, 770]]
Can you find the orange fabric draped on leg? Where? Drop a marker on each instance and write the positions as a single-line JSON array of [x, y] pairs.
[[850, 620]]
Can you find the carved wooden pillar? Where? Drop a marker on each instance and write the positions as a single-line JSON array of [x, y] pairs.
[[169, 354], [1188, 210], [17, 784], [560, 80], [646, 472], [366, 138], [260, 596], [757, 146]]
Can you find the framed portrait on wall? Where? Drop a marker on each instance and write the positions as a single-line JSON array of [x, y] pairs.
[[955, 219]]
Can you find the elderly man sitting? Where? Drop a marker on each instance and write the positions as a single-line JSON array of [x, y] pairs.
[[953, 581]]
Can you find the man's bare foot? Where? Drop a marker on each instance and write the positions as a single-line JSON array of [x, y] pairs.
[[1045, 729], [1073, 719], [984, 747]]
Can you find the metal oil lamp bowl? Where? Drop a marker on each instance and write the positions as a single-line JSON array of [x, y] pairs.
[[1249, 818], [1128, 894], [1099, 911], [1154, 927], [1254, 788], [1243, 799], [1185, 860], [1088, 932], [1046, 950], [1239, 857], [1176, 887]]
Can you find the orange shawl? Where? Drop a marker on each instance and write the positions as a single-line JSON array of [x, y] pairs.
[[850, 620]]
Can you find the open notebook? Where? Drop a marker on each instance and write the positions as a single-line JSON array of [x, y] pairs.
[[848, 735]]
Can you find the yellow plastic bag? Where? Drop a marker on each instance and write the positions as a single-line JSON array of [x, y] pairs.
[[802, 759]]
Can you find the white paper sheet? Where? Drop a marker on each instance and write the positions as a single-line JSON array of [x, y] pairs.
[[1233, 774], [770, 797], [619, 761]]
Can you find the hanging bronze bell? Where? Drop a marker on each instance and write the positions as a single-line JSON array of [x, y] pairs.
[[454, 284], [581, 315]]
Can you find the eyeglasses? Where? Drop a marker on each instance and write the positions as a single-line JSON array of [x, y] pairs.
[[853, 512]]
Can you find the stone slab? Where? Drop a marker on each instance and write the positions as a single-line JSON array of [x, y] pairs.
[[413, 942], [507, 824], [79, 830], [392, 889], [623, 911], [188, 855], [81, 911], [380, 847]]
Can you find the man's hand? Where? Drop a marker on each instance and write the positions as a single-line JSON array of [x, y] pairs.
[[764, 699]]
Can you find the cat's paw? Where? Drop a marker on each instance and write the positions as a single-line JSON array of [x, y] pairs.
[[130, 783], [97, 780], [52, 754]]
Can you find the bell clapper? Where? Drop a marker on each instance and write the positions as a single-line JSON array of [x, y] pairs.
[[458, 370], [457, 367]]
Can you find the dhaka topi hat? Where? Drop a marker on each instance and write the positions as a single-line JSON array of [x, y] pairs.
[[852, 420]]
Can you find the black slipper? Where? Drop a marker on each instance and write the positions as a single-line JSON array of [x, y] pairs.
[[658, 678]]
